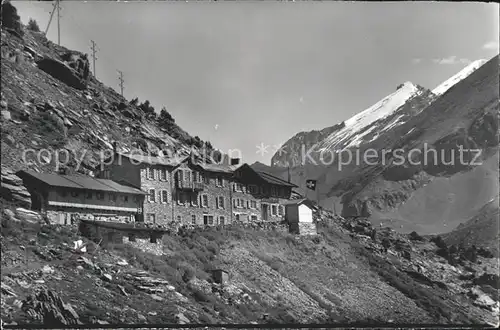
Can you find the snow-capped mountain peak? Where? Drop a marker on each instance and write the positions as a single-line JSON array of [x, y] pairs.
[[443, 87], [383, 108]]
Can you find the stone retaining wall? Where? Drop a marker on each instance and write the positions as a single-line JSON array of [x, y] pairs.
[[307, 228], [145, 245]]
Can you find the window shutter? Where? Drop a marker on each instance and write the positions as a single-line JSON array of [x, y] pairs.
[[248, 204]]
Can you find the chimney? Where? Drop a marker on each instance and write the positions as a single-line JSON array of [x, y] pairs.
[[235, 161]]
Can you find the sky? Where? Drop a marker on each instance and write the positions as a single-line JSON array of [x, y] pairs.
[[251, 73]]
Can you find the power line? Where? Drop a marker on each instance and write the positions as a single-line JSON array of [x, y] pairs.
[[94, 50], [122, 81]]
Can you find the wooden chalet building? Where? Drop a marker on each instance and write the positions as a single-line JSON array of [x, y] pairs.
[[61, 197]]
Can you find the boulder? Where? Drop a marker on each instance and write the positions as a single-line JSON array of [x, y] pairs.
[[77, 62], [47, 307], [6, 115], [12, 188], [11, 21], [63, 72]]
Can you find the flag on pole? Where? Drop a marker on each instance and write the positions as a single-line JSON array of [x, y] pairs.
[[311, 184]]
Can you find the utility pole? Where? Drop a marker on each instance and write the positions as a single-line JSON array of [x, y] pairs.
[[55, 7], [58, 23], [51, 15], [94, 50], [120, 78]]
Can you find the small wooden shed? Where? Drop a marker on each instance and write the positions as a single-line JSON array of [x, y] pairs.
[[220, 276], [299, 216]]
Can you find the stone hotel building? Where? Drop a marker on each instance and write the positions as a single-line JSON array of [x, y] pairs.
[[189, 191]]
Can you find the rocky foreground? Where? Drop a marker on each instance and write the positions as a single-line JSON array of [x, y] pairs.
[[349, 273]]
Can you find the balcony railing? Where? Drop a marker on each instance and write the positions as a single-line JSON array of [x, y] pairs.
[[189, 185]]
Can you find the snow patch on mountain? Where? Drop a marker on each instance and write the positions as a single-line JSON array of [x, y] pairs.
[[349, 135], [465, 72]]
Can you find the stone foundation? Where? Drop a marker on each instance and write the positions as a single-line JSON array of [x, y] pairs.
[[71, 218], [307, 228], [144, 244]]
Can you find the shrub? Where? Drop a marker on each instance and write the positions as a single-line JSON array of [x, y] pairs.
[[201, 296], [189, 273], [33, 25], [438, 240], [414, 236]]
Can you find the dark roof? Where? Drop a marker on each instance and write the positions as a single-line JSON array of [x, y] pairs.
[[154, 160], [274, 180], [219, 168], [300, 201], [80, 182]]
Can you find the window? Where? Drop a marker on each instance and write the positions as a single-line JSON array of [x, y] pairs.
[[188, 176], [220, 202], [164, 196], [219, 181], [273, 191], [99, 195], [63, 193], [105, 174], [112, 197], [282, 192], [74, 193], [235, 203], [237, 217], [193, 219], [204, 200], [180, 198], [151, 197], [222, 220], [253, 204], [179, 218], [89, 194], [194, 200], [163, 175], [253, 189], [208, 219], [238, 187], [280, 210], [180, 175], [253, 217], [274, 210], [151, 218], [150, 173], [206, 179], [125, 198]]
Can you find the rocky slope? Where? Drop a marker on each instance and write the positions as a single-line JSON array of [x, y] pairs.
[[50, 101], [349, 274], [432, 198]]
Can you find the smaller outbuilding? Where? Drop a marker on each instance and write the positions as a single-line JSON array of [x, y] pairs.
[[220, 276], [299, 216]]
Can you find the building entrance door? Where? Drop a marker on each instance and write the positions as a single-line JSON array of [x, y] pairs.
[[265, 211]]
